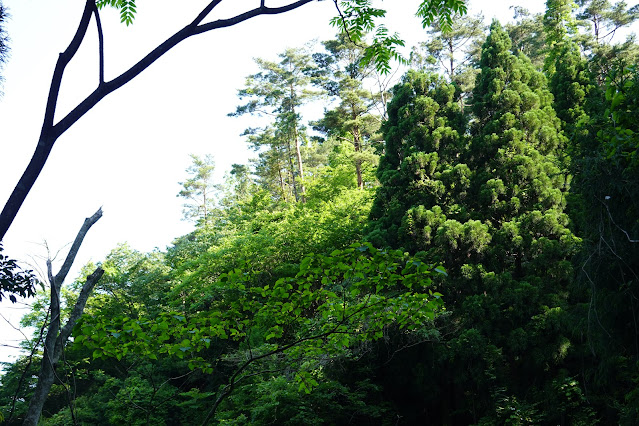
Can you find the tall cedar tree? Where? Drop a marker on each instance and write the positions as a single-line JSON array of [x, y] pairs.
[[487, 199]]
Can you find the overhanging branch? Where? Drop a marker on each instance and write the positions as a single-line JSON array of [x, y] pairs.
[[50, 132]]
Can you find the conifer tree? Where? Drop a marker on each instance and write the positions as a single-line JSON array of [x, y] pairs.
[[199, 190], [352, 120], [604, 194], [489, 203], [280, 89], [527, 35], [455, 51]]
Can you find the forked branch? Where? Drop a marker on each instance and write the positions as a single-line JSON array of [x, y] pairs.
[[51, 132]]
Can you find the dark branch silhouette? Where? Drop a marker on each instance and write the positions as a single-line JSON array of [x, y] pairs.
[[51, 132]]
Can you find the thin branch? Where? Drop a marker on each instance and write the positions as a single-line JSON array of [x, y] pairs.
[[50, 133], [18, 329], [98, 24], [618, 227], [26, 369], [88, 223]]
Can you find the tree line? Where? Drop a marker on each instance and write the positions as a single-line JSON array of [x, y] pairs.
[[461, 249]]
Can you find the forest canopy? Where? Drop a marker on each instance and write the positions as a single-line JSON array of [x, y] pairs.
[[459, 249]]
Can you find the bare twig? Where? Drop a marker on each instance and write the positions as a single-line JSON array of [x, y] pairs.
[[618, 227]]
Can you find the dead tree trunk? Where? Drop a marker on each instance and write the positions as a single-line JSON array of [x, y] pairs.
[[57, 336]]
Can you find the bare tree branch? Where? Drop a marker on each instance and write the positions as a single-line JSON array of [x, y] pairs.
[[56, 338], [98, 24], [50, 132]]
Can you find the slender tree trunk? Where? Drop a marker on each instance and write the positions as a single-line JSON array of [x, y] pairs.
[[280, 177], [56, 337], [298, 153], [291, 168], [451, 56], [300, 168], [282, 184], [205, 212], [357, 143]]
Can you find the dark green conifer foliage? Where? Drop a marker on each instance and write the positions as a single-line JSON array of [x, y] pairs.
[[488, 200], [571, 83], [607, 184], [424, 119], [599, 122], [570, 79]]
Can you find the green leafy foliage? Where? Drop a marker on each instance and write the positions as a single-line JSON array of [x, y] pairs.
[[328, 309], [15, 281], [127, 9], [344, 292], [357, 18], [444, 10], [514, 205]]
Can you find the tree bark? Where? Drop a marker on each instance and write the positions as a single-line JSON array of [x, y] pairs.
[[357, 145], [298, 152], [300, 167], [56, 336]]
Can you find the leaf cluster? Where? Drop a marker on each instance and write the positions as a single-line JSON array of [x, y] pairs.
[[127, 9], [14, 280]]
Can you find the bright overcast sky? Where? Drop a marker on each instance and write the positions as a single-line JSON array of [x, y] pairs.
[[129, 153]]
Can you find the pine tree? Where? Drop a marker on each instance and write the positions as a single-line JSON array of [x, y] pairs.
[[352, 120], [527, 35], [602, 20], [280, 89], [199, 190], [455, 51]]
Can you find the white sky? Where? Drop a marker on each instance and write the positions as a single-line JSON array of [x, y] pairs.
[[129, 153]]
